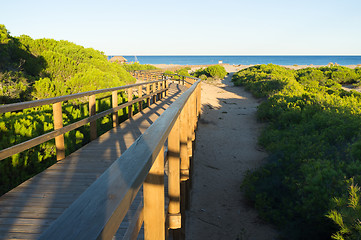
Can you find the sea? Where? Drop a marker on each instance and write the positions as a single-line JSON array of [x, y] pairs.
[[246, 60]]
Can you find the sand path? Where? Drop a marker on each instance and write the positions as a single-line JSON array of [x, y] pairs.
[[226, 147]]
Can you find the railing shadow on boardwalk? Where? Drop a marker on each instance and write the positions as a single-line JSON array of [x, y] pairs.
[[73, 171]]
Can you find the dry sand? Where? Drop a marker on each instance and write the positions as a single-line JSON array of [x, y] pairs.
[[226, 147], [235, 68]]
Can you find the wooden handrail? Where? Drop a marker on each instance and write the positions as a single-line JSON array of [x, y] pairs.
[[36, 103], [99, 211], [7, 152], [59, 130]]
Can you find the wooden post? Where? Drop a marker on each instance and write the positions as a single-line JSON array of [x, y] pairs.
[[153, 91], [199, 98], [148, 92], [165, 86], [185, 163], [115, 104], [140, 94], [174, 177], [153, 191], [190, 126], [194, 114], [183, 144], [58, 123], [159, 88], [93, 124], [130, 98]]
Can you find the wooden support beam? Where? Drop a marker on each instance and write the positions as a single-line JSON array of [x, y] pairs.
[[153, 90], [199, 93], [140, 94], [183, 144], [130, 98], [58, 123], [165, 86], [194, 115], [115, 104], [92, 112], [153, 191], [159, 94], [190, 126], [174, 177], [148, 92]]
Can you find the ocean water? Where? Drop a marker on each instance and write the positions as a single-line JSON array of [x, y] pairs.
[[246, 60]]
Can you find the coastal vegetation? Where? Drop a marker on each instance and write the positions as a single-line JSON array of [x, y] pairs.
[[313, 137], [184, 71], [137, 66], [211, 72], [33, 69]]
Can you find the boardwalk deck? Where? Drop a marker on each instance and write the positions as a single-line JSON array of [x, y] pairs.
[[27, 210]]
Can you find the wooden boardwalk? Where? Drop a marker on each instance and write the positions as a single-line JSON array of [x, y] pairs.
[[27, 210]]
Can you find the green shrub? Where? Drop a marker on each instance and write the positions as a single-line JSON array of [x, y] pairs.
[[183, 72], [216, 71], [200, 72], [62, 66], [313, 140], [137, 66], [42, 68], [347, 215], [203, 77]]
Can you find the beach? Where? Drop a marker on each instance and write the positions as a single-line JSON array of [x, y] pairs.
[[236, 68]]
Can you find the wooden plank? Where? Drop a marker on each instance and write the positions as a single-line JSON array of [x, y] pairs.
[[190, 127], [5, 211], [24, 221], [135, 225], [23, 228], [64, 181], [153, 191], [174, 177], [104, 204], [184, 144], [20, 236]]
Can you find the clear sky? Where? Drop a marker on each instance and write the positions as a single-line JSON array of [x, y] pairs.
[[193, 27]]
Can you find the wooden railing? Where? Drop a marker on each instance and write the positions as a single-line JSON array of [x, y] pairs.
[[99, 211], [152, 90]]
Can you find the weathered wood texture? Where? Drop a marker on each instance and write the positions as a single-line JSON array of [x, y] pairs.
[[29, 209], [23, 105], [153, 191], [58, 123], [4, 153]]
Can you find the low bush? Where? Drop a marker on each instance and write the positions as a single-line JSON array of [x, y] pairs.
[[137, 66], [313, 138], [214, 72]]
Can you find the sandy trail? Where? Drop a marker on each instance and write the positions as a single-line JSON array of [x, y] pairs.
[[226, 147]]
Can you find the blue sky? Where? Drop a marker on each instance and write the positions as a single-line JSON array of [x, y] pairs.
[[191, 27]]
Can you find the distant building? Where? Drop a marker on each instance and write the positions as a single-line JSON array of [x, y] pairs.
[[118, 59]]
